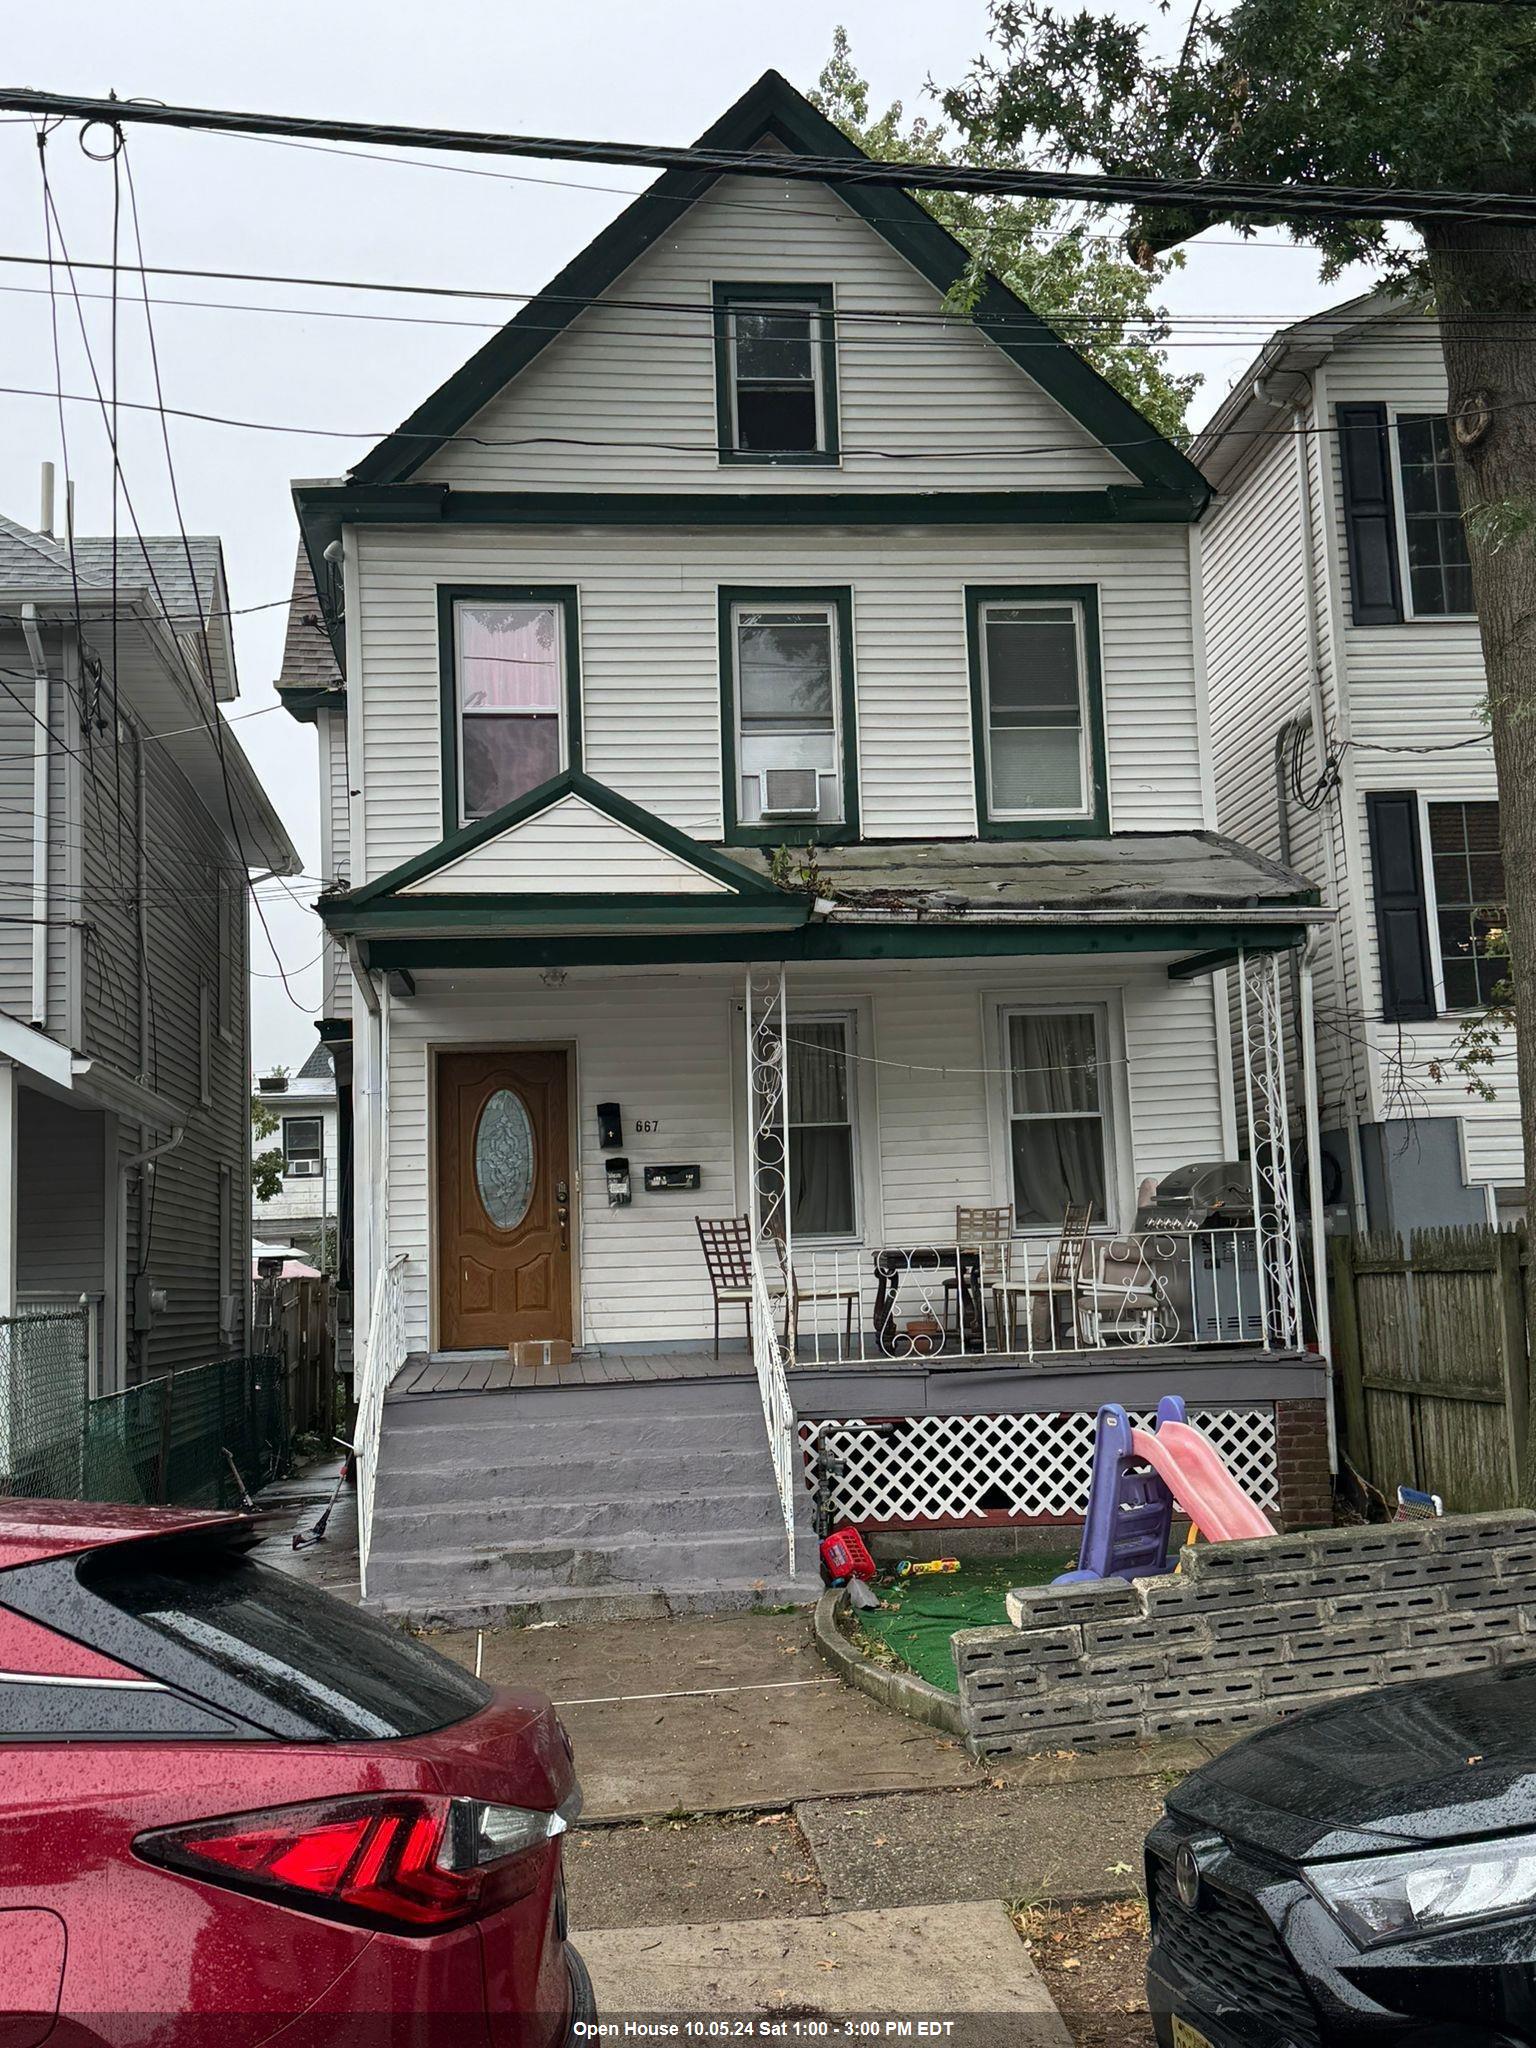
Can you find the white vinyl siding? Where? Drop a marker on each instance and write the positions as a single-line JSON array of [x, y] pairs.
[[569, 848], [624, 379], [668, 1048], [650, 662], [335, 835], [1415, 684], [301, 1200]]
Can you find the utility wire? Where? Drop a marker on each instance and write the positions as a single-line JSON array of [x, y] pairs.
[[1215, 195]]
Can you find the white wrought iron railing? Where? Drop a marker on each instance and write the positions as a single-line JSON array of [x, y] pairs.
[[383, 1356], [1021, 1299], [778, 1408]]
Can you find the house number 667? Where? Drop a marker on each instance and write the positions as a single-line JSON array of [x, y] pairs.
[[647, 1123]]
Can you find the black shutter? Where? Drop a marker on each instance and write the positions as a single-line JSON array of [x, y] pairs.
[[1402, 924], [1370, 525]]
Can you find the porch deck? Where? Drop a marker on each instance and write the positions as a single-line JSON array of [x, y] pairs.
[[951, 1383]]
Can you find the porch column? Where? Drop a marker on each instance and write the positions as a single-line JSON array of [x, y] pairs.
[[767, 1020], [10, 1136], [1269, 1145]]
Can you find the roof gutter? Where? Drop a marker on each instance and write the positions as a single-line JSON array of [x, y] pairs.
[[1279, 914]]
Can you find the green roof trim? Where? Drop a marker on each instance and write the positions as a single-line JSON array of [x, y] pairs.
[[305, 701], [384, 949], [773, 108], [747, 886]]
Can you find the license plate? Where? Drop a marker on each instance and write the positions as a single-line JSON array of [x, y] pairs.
[[1186, 2036]]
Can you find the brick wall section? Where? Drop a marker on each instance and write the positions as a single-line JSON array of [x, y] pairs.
[[1245, 1632], [1301, 1459]]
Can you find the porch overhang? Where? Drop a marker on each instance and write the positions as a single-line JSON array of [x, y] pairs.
[[490, 895]]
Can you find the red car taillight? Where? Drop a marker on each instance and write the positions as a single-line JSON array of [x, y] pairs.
[[408, 1861]]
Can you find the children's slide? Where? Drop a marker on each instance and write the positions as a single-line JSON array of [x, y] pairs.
[[1190, 1467]]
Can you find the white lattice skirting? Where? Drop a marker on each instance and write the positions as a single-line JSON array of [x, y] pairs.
[[956, 1468]]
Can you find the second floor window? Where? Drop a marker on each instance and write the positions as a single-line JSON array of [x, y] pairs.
[[1037, 723], [1468, 868], [775, 372], [302, 1156], [510, 691], [790, 695], [1437, 572]]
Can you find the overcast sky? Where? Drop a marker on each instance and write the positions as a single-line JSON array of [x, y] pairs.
[[608, 68]]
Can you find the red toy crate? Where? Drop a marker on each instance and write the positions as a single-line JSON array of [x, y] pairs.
[[845, 1557]]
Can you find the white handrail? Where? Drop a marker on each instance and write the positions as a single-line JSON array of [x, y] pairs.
[[773, 1386], [383, 1356]]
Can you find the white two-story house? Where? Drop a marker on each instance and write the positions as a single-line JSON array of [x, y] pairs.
[[1347, 688], [768, 758]]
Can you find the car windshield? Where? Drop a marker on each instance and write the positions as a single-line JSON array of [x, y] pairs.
[[344, 1672]]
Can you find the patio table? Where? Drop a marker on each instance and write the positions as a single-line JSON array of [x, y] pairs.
[[893, 1263]]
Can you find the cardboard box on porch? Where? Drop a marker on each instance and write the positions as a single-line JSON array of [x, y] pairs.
[[538, 1351]]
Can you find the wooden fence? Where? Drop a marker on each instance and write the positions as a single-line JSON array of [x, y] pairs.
[[1433, 1360], [294, 1320]]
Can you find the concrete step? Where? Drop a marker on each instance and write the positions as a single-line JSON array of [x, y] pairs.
[[513, 1523], [533, 1442], [578, 1604], [511, 1572], [410, 1482], [736, 1395]]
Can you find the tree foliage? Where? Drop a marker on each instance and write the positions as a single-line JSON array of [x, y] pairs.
[[1064, 267], [1419, 93], [267, 1166]]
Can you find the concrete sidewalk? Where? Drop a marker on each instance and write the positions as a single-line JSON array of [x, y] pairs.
[[712, 1715], [935, 1963]]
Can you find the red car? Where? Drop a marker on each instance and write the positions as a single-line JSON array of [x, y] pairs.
[[235, 1810]]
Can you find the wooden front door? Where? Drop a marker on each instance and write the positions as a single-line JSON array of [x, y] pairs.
[[503, 1193]]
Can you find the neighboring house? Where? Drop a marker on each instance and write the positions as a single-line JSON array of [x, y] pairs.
[[1347, 687], [742, 666], [133, 822], [303, 1213]]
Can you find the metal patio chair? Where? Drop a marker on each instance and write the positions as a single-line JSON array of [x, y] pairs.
[[796, 1296], [727, 1243], [1057, 1283]]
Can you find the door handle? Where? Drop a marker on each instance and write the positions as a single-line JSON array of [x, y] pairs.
[[563, 1211]]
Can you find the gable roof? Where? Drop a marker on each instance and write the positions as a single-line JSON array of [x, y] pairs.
[[773, 110], [1249, 416], [729, 881]]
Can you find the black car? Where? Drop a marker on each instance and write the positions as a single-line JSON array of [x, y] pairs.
[[1364, 1873]]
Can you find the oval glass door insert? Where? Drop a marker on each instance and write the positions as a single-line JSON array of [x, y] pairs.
[[504, 1159]]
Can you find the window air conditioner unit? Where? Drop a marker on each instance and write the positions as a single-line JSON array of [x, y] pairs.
[[299, 1167], [791, 792]]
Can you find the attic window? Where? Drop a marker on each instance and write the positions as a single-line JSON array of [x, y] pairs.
[[775, 373]]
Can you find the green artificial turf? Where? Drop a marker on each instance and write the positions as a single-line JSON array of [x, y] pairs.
[[917, 1616]]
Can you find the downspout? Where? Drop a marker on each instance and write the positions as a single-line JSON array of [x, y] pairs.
[[365, 1139], [41, 779]]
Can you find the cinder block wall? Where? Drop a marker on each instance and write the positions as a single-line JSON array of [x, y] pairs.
[[1244, 1632]]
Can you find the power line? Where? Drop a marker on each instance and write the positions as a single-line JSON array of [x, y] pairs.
[[1204, 194]]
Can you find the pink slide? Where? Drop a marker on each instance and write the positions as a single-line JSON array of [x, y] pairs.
[[1188, 1464]]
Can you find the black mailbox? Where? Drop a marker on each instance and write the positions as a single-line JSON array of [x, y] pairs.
[[665, 1179]]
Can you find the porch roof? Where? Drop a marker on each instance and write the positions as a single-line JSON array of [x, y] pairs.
[[504, 892]]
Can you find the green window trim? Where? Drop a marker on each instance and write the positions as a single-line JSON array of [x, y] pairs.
[[728, 296], [783, 832], [566, 596], [1094, 822]]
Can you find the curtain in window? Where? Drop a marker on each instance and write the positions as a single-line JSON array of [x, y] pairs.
[[1056, 1126], [509, 699], [820, 1130]]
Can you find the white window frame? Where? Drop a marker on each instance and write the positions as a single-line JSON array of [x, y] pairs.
[[817, 340], [1084, 808], [1114, 1098], [1427, 800], [849, 1019], [829, 612], [307, 1117], [461, 605], [1400, 520]]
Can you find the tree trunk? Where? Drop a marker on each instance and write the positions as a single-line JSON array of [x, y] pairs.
[[1484, 275]]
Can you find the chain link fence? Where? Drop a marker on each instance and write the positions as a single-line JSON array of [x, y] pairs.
[[43, 1402], [198, 1437]]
